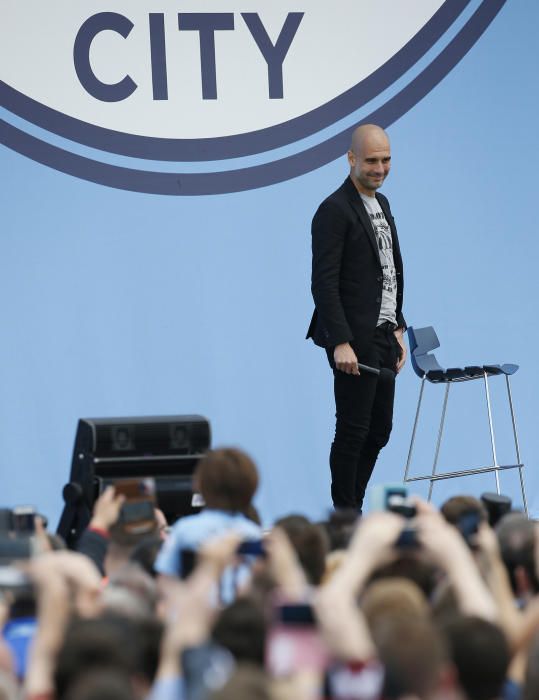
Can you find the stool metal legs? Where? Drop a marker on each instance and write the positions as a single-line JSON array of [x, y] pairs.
[[492, 440], [517, 448], [414, 429], [439, 440], [495, 467]]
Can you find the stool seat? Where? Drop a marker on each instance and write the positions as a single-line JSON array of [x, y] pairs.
[[466, 374], [422, 342]]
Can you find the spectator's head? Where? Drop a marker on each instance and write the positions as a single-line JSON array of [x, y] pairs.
[[101, 685], [109, 644], [227, 479], [241, 628], [516, 536], [92, 646], [310, 543], [414, 657], [246, 683], [480, 653], [422, 573], [458, 506], [121, 546], [131, 592], [392, 597]]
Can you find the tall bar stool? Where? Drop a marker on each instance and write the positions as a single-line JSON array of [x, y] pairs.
[[422, 342]]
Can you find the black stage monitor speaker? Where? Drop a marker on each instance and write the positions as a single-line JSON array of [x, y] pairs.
[[166, 448]]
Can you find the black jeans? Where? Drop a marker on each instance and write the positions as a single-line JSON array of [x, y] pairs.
[[364, 418]]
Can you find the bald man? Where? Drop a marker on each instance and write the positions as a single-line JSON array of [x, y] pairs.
[[357, 284]]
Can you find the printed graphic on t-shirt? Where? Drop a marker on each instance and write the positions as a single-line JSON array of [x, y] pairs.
[[382, 232], [385, 246]]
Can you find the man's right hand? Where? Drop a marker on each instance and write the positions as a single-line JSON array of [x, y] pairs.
[[345, 358]]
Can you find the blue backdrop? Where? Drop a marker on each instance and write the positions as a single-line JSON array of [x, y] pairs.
[[118, 303]]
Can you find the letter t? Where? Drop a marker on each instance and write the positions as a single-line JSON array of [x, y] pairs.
[[206, 24]]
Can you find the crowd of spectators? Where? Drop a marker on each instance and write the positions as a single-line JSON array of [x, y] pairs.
[[418, 603]]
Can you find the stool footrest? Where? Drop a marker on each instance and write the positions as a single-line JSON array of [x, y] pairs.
[[463, 472]]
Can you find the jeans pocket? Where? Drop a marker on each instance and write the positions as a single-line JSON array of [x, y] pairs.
[[398, 348]]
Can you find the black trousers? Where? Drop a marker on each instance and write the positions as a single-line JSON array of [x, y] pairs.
[[364, 418]]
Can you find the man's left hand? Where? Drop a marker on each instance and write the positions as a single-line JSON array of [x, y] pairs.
[[402, 359]]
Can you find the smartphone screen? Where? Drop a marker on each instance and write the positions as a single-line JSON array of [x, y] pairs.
[[294, 642], [381, 495], [253, 548], [136, 511], [296, 615], [24, 520], [136, 489], [407, 539]]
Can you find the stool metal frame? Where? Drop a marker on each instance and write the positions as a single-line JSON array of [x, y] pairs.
[[422, 342]]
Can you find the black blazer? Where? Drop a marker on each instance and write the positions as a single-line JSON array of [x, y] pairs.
[[347, 278]]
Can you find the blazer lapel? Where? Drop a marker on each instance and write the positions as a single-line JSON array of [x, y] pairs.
[[357, 205], [389, 219]]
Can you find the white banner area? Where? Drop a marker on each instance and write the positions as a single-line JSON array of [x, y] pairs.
[[197, 70]]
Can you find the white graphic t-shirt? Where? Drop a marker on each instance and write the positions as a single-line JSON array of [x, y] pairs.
[[385, 249]]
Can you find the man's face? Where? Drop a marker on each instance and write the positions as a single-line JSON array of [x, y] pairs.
[[370, 164]]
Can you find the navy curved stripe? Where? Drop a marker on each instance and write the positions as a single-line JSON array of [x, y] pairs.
[[224, 147], [262, 175]]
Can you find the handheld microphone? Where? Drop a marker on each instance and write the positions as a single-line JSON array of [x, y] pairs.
[[369, 370]]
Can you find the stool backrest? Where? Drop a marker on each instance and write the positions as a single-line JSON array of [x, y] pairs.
[[422, 341]]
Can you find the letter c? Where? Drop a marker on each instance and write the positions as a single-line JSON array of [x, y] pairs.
[[101, 22]]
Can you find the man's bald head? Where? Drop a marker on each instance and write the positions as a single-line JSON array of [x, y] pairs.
[[367, 135], [369, 157]]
